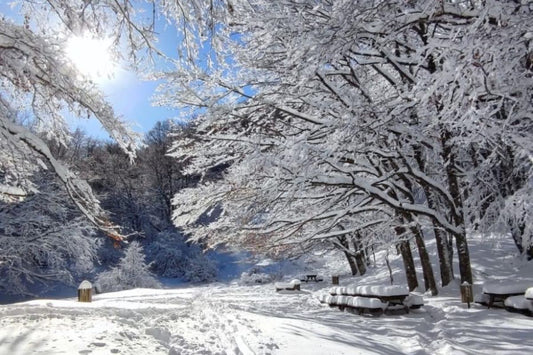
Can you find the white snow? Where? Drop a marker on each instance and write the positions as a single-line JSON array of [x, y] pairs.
[[507, 286], [365, 302], [241, 319], [519, 302], [529, 293], [252, 319], [85, 285], [380, 290], [371, 290], [414, 300]]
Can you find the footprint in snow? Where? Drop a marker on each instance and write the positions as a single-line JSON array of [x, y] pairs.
[[98, 344]]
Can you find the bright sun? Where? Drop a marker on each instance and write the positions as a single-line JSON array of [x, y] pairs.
[[91, 56]]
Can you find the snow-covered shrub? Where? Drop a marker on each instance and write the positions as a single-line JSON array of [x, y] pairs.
[[200, 269], [254, 276], [171, 256], [44, 241], [131, 272]]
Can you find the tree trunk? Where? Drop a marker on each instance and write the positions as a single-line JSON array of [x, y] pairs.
[[427, 269], [443, 252], [351, 260], [360, 258], [457, 213], [407, 257], [409, 264]]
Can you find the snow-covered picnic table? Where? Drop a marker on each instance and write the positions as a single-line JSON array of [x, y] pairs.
[[294, 285], [311, 277], [387, 296], [501, 290]]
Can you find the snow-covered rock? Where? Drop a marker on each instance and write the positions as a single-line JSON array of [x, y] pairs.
[[529, 293]]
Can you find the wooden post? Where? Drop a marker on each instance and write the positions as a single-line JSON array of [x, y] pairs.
[[467, 295], [335, 280], [84, 292]]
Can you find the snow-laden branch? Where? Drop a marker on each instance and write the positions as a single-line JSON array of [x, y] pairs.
[[79, 191]]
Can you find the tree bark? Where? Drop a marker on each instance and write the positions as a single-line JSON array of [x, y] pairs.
[[457, 212], [351, 260], [360, 258], [407, 257], [443, 252], [409, 265], [427, 269]]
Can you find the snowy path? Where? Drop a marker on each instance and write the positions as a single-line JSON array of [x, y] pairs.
[[221, 319]]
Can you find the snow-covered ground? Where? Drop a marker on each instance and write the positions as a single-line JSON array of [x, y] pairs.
[[236, 319]]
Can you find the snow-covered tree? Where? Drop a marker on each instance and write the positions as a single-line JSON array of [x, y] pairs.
[[39, 80], [358, 114], [33, 253], [131, 272]]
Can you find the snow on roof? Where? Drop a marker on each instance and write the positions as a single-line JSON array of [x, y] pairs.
[[507, 287], [85, 285]]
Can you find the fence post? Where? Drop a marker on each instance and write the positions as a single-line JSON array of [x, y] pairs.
[[84, 292], [467, 295]]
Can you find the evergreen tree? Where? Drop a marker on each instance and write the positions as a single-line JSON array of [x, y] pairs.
[[131, 272]]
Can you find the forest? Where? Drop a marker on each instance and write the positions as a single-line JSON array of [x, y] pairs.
[[309, 125]]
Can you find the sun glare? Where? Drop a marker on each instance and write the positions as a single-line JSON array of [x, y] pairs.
[[91, 56]]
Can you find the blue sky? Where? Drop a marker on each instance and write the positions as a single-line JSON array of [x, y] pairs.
[[129, 95]]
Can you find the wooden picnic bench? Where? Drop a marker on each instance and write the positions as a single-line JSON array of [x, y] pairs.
[[294, 285], [396, 300], [311, 277], [500, 297], [390, 296], [500, 291]]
